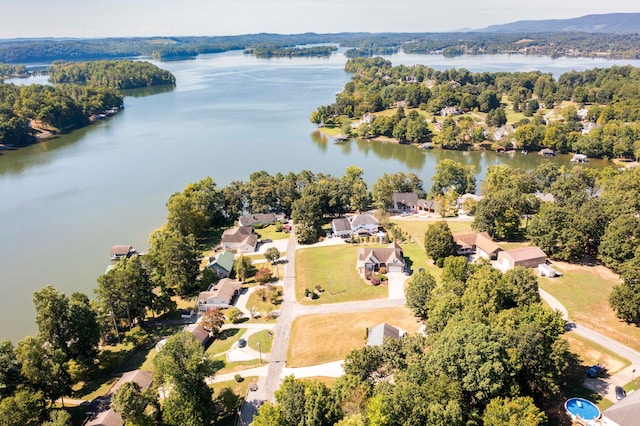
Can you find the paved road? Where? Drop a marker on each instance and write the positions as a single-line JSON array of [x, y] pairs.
[[603, 386]]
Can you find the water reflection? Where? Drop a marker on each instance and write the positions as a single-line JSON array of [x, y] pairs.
[[148, 91]]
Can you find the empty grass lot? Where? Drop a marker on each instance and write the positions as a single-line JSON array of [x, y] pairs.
[[316, 339], [417, 227], [584, 291], [333, 268]]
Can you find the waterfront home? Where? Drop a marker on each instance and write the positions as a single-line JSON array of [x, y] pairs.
[[378, 333], [449, 111], [241, 239], [478, 243], [117, 252], [219, 295], [260, 219], [529, 257], [372, 259], [222, 263], [404, 200]]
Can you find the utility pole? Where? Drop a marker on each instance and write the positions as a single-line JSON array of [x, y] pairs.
[[260, 351]]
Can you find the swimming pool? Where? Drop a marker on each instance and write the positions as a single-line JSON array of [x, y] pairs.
[[579, 407]]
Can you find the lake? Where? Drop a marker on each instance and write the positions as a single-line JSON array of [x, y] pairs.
[[65, 201]]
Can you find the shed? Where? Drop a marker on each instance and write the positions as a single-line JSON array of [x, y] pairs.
[[529, 257]]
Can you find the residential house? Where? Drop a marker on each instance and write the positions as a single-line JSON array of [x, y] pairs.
[[529, 257], [198, 331], [341, 227], [372, 259], [449, 111], [404, 200], [364, 224], [625, 412], [105, 415], [117, 252], [260, 219], [377, 334], [222, 264], [426, 206], [479, 243], [219, 295], [241, 239]]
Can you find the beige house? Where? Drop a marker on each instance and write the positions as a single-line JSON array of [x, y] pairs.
[[479, 243], [529, 257], [219, 295], [372, 259], [241, 239]]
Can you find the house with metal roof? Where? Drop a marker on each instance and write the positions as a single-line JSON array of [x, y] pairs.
[[222, 264]]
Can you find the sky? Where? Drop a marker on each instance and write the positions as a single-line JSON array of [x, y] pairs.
[[126, 18]]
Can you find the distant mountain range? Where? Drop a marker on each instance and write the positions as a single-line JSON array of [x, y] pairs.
[[612, 23]]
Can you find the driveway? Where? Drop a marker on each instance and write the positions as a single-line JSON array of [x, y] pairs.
[[396, 285]]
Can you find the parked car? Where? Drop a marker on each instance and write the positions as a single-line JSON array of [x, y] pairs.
[[242, 343], [620, 393], [595, 371]]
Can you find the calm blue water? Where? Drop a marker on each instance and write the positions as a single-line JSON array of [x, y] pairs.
[[583, 408], [64, 202]]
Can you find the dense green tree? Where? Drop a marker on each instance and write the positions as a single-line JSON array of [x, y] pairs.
[[519, 411], [58, 418], [174, 260], [182, 366], [497, 215], [438, 241], [363, 363], [244, 268], [419, 292], [620, 241], [383, 188], [24, 408], [451, 174], [196, 208], [129, 401], [52, 316], [496, 117], [272, 254], [269, 414], [307, 216], [9, 369]]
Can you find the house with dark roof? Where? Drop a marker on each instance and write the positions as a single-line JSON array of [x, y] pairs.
[[219, 295], [625, 412], [378, 333], [222, 264], [260, 219], [529, 257], [404, 201], [372, 259], [426, 206], [104, 415], [479, 243], [241, 239]]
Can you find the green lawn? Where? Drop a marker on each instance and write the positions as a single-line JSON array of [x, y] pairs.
[[225, 340], [231, 367], [238, 388], [263, 308], [584, 291], [334, 269], [270, 232], [417, 227], [265, 337]]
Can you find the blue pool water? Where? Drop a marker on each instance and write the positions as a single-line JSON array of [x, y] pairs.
[[581, 407]]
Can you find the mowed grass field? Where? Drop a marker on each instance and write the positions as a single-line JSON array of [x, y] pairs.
[[584, 291], [334, 269], [316, 339]]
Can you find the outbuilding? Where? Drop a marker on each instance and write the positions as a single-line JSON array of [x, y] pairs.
[[529, 257]]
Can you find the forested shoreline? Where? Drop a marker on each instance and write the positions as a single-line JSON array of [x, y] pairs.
[[360, 44], [81, 92], [594, 112]]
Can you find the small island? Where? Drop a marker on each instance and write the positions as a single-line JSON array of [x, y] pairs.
[[269, 51]]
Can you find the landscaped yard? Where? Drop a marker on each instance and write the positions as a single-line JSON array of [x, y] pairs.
[[334, 269], [231, 367], [265, 337], [264, 308], [316, 339], [225, 340], [417, 227], [270, 233], [584, 291]]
